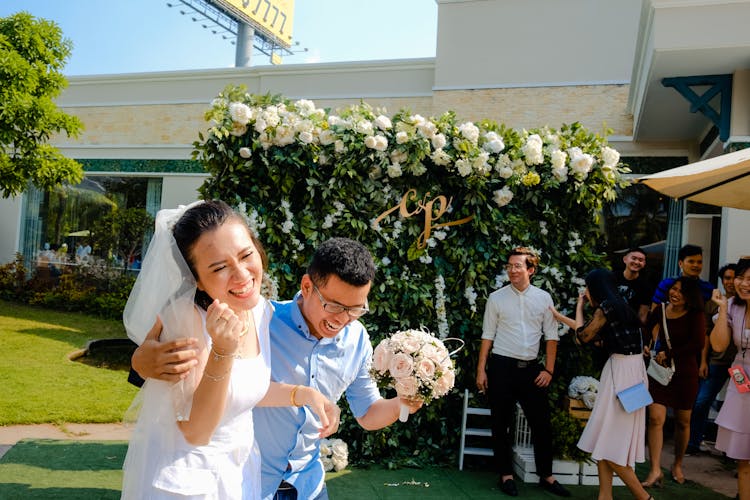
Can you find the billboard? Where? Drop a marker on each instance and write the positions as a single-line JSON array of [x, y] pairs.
[[272, 18]]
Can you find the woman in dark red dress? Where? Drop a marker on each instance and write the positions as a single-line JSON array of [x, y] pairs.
[[687, 334]]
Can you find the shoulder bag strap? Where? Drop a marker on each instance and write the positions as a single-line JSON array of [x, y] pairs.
[[666, 331]]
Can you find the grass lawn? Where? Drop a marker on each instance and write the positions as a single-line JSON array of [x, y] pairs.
[[40, 383], [67, 470]]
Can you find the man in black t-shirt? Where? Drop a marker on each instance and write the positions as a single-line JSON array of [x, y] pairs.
[[632, 285]]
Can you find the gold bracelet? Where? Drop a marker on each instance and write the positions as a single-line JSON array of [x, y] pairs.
[[291, 396], [219, 356], [215, 378]]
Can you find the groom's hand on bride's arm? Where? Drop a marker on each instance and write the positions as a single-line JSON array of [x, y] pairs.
[[168, 361]]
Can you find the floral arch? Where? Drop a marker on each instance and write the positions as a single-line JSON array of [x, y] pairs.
[[439, 203]]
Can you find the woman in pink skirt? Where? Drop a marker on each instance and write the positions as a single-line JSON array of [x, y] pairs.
[[733, 325], [614, 437]]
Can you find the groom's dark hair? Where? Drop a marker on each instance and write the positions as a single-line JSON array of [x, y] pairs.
[[345, 258]]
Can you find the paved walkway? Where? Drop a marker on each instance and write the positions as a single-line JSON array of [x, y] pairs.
[[707, 469], [10, 435]]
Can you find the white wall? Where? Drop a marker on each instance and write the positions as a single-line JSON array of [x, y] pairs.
[[180, 189], [505, 43], [10, 227], [697, 231], [735, 235]]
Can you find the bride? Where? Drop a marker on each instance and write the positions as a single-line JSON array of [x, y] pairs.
[[201, 278]]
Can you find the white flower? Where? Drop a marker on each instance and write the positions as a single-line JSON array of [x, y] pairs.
[[394, 170], [610, 157], [505, 172], [580, 162], [469, 131], [398, 156], [427, 129], [402, 137], [532, 150], [385, 261], [440, 157], [383, 122], [305, 107], [425, 259], [463, 166], [558, 158], [417, 120], [494, 143], [438, 141], [240, 113], [339, 146], [471, 296], [502, 196], [561, 174], [336, 121], [305, 137], [326, 137], [381, 143], [245, 152], [238, 130], [481, 163], [287, 226], [339, 463], [363, 127]]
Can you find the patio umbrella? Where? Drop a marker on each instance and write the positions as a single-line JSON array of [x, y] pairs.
[[723, 181]]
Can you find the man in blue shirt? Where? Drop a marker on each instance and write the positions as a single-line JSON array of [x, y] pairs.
[[317, 341], [690, 261]]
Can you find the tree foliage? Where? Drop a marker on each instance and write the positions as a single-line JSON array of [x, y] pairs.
[[440, 204], [120, 233], [32, 55]]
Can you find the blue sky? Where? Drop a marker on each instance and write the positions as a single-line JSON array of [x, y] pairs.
[[130, 36]]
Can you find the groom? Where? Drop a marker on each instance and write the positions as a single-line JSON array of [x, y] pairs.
[[316, 340]]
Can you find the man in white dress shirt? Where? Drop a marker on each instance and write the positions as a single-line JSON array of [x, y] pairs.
[[515, 318]]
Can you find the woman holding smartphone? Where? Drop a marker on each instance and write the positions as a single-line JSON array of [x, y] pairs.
[[733, 325]]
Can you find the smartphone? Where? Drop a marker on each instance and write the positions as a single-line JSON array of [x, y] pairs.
[[739, 377]]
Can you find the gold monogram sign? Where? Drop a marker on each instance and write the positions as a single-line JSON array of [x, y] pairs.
[[433, 209]]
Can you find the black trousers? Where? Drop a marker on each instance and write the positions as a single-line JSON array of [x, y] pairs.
[[510, 381]]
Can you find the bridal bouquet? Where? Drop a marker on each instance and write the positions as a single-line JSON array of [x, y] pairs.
[[334, 454], [416, 364]]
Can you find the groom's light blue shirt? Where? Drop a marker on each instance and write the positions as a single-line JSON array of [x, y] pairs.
[[288, 436]]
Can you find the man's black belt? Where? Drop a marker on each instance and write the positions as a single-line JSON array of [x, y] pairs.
[[518, 363]]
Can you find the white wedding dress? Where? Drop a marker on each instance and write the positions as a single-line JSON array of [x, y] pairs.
[[160, 464]]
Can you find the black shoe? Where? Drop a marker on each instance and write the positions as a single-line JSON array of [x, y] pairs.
[[554, 487], [508, 487]]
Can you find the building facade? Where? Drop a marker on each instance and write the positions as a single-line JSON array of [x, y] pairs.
[[524, 63]]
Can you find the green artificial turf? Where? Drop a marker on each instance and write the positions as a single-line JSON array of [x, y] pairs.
[[40, 383], [52, 469]]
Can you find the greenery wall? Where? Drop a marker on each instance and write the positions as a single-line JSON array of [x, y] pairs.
[[440, 203]]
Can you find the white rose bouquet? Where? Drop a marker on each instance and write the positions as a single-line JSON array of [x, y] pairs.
[[416, 364], [334, 454]]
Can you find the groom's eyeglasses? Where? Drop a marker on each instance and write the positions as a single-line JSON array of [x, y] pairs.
[[333, 308]]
